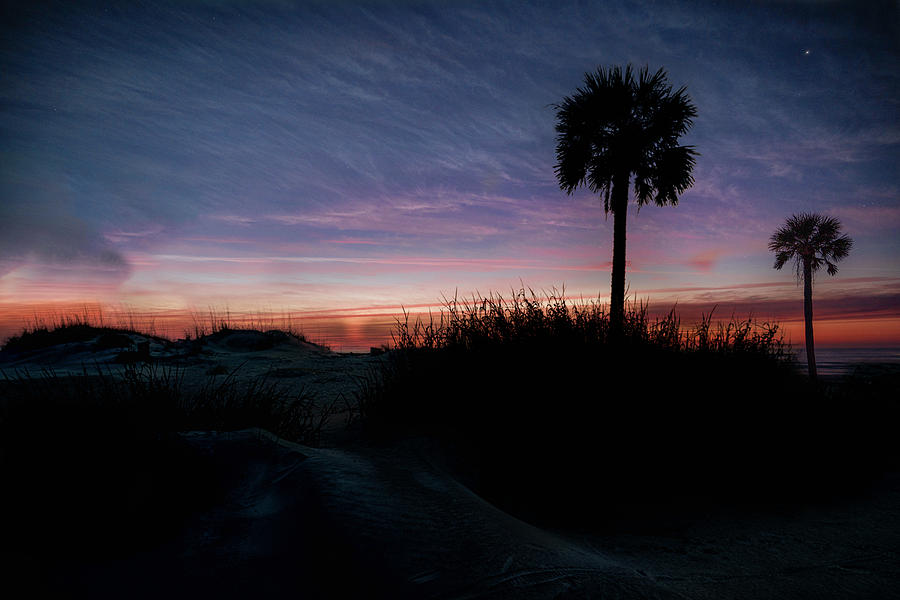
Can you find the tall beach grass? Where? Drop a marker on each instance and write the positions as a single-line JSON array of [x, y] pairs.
[[46, 330], [548, 417]]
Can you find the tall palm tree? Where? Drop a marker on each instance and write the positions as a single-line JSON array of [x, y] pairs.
[[812, 241], [617, 127]]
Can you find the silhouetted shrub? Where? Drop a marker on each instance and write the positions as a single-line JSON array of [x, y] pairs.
[[41, 337], [108, 341], [554, 419]]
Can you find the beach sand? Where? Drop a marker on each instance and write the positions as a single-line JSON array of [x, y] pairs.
[[246, 514]]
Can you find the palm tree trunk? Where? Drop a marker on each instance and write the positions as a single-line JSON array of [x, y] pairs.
[[808, 318], [617, 292]]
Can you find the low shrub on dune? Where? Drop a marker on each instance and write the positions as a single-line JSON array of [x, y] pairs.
[[40, 337], [554, 418]]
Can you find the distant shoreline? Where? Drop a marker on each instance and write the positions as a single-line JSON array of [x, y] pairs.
[[839, 361]]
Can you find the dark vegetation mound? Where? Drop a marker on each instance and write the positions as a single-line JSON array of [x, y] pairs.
[[41, 337], [93, 464], [248, 340], [113, 340], [551, 420]]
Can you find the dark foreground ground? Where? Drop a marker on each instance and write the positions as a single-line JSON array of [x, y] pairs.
[[245, 514], [90, 513]]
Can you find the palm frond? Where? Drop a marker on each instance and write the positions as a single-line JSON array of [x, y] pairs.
[[620, 124]]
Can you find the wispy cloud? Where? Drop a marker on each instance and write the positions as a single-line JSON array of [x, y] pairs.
[[869, 218], [353, 148], [435, 262]]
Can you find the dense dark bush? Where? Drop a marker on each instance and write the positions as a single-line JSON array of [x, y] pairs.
[[553, 418]]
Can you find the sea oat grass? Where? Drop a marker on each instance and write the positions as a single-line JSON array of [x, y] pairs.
[[51, 330], [557, 418]]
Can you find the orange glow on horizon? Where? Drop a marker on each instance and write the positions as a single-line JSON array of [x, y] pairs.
[[358, 329], [857, 332]]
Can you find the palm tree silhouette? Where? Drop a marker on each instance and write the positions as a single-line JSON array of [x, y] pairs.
[[616, 127], [812, 240]]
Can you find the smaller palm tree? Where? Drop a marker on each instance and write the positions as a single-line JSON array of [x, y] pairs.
[[812, 241]]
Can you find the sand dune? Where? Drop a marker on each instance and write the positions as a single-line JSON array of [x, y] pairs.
[[246, 514], [280, 358], [389, 523]]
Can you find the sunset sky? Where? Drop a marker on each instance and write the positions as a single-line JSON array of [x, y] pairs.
[[346, 158]]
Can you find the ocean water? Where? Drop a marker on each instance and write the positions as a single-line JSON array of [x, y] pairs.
[[835, 362]]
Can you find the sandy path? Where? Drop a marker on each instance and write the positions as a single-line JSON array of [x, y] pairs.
[[846, 549], [388, 523], [296, 521]]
